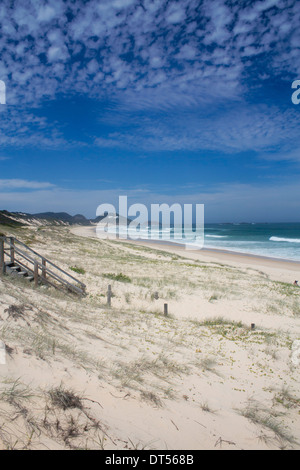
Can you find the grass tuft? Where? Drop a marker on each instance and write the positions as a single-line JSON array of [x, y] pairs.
[[65, 399]]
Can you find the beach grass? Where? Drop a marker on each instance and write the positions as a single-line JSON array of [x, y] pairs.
[[202, 358]]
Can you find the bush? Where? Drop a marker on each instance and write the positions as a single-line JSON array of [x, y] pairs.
[[117, 277], [77, 270]]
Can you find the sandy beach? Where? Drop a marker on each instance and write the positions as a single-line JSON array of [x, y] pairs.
[[277, 269], [80, 374]]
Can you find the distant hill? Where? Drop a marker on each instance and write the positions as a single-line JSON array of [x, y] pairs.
[[18, 219], [44, 218], [5, 219], [63, 217]]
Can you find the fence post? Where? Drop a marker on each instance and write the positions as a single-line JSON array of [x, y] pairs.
[[36, 273], [2, 263], [165, 310], [12, 249], [43, 268], [109, 295]]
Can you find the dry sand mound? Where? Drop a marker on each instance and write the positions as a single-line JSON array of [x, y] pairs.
[[81, 375]]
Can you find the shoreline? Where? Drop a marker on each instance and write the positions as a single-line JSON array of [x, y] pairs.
[[214, 250], [278, 269]]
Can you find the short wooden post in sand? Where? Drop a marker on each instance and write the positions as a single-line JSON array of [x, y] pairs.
[[36, 273], [2, 263], [165, 310], [12, 249], [44, 268], [109, 295]]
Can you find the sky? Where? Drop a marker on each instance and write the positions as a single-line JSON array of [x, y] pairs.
[[163, 101]]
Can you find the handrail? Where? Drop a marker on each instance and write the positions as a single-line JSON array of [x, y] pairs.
[[37, 264], [44, 279], [47, 270], [43, 258]]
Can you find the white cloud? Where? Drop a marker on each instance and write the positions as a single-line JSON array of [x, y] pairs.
[[257, 128], [149, 55], [187, 52], [175, 14], [119, 4], [46, 13], [181, 31], [57, 53], [23, 184]]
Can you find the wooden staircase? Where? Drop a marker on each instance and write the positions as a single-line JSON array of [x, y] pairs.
[[18, 259]]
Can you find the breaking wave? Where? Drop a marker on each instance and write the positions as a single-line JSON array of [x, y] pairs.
[[289, 240], [216, 236]]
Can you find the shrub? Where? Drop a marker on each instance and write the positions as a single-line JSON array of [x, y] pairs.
[[117, 277], [77, 270]]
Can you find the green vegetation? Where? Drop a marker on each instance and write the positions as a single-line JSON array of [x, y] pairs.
[[7, 221], [77, 270], [117, 277], [15, 392], [268, 420]]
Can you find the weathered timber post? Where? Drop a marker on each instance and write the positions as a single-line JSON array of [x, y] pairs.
[[12, 249], [36, 273], [2, 263], [43, 268], [165, 310], [109, 294]]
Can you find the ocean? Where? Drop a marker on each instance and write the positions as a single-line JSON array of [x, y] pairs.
[[279, 240], [273, 240]]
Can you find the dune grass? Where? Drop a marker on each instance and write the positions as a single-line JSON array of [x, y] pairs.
[[133, 351]]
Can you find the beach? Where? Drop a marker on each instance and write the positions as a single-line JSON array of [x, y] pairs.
[[277, 269], [219, 371]]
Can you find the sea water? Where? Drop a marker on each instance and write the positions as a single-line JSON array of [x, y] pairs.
[[274, 240], [277, 240]]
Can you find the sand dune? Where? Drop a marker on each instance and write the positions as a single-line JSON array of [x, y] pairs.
[[81, 375]]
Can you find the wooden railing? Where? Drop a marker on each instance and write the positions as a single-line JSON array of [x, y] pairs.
[[14, 252]]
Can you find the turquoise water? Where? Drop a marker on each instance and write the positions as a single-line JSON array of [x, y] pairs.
[[272, 240], [279, 240]]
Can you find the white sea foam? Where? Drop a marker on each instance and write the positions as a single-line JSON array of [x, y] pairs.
[[289, 240], [216, 236]]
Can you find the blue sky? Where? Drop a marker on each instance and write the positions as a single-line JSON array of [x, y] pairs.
[[163, 101]]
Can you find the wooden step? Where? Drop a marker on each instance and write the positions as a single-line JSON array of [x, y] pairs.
[[9, 264], [40, 269]]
